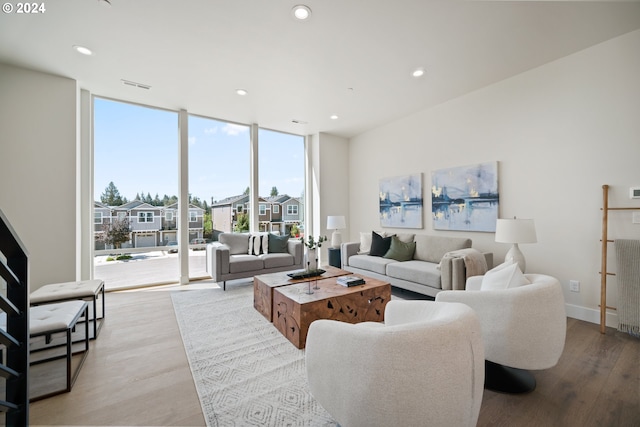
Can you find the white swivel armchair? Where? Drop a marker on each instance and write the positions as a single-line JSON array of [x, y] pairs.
[[522, 328], [423, 366]]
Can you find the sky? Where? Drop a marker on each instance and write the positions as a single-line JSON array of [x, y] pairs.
[[137, 148]]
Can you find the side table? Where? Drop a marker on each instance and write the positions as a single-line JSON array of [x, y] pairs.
[[334, 257]]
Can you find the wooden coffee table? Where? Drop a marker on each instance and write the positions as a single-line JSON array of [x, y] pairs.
[[264, 284], [294, 309]]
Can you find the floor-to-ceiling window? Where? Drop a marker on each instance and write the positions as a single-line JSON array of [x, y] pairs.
[[281, 182], [137, 185], [135, 194], [219, 169]]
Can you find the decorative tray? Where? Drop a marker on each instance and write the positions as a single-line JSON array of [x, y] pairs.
[[305, 274]]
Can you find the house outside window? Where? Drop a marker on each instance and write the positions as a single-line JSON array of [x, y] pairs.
[[193, 216], [97, 218], [275, 209], [292, 209], [145, 216], [262, 209], [168, 215]]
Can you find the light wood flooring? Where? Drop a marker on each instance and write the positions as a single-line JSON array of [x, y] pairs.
[[137, 374]]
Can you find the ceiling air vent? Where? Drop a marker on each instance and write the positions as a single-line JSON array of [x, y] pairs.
[[140, 85]]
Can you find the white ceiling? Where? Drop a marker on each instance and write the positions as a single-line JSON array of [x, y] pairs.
[[353, 58]]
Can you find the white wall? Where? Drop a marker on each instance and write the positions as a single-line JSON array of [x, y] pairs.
[[559, 132], [330, 173], [38, 169]]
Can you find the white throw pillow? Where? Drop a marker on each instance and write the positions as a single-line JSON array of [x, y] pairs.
[[365, 243], [258, 244], [506, 275]]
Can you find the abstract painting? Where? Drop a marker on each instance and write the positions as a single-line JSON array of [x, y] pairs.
[[401, 201], [465, 198]]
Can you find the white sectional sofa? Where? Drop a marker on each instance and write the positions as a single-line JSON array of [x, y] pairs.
[[437, 262], [229, 257]]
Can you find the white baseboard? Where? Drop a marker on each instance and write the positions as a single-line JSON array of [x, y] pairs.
[[590, 315]]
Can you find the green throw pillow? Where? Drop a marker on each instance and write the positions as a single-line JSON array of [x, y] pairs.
[[278, 244], [400, 251]]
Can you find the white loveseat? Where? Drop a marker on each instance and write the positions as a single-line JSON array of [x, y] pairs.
[[437, 263], [229, 257]]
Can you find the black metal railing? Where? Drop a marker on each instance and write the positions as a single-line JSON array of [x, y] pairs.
[[14, 365]]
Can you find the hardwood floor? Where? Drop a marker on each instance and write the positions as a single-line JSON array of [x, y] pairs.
[[137, 374]]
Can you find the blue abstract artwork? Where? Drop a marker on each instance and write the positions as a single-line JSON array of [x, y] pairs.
[[401, 201], [465, 198]]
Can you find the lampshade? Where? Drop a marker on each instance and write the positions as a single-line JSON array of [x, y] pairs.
[[516, 231], [336, 222]]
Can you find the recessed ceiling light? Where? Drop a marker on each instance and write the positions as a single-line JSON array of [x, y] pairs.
[[301, 12], [334, 117], [241, 92], [83, 50], [418, 72]]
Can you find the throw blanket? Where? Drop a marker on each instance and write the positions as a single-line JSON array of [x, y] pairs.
[[474, 262], [628, 278]]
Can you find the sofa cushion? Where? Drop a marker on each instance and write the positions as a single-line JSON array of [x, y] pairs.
[[278, 244], [399, 250], [238, 243], [371, 263], [425, 273], [245, 262], [272, 260], [379, 245], [433, 248]]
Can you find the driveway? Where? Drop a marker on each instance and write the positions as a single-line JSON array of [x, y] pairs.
[[147, 268]]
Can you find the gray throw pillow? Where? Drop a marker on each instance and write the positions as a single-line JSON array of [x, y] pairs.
[[278, 244], [379, 245]]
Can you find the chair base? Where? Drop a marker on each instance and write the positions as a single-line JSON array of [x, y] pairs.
[[505, 379]]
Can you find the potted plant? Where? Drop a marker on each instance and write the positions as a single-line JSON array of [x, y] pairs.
[[311, 246]]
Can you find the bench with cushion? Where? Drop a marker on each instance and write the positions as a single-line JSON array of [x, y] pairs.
[[56, 319], [87, 290]]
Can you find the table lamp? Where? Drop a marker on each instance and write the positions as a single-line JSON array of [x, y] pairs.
[[516, 231], [336, 223]]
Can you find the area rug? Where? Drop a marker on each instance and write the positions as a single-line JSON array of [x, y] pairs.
[[246, 373]]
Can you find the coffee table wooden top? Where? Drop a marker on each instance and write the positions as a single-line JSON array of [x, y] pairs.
[[328, 288], [273, 280]]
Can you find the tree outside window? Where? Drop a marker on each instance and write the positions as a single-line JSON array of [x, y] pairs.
[[115, 233]]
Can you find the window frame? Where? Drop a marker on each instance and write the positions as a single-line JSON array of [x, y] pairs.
[[145, 217]]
